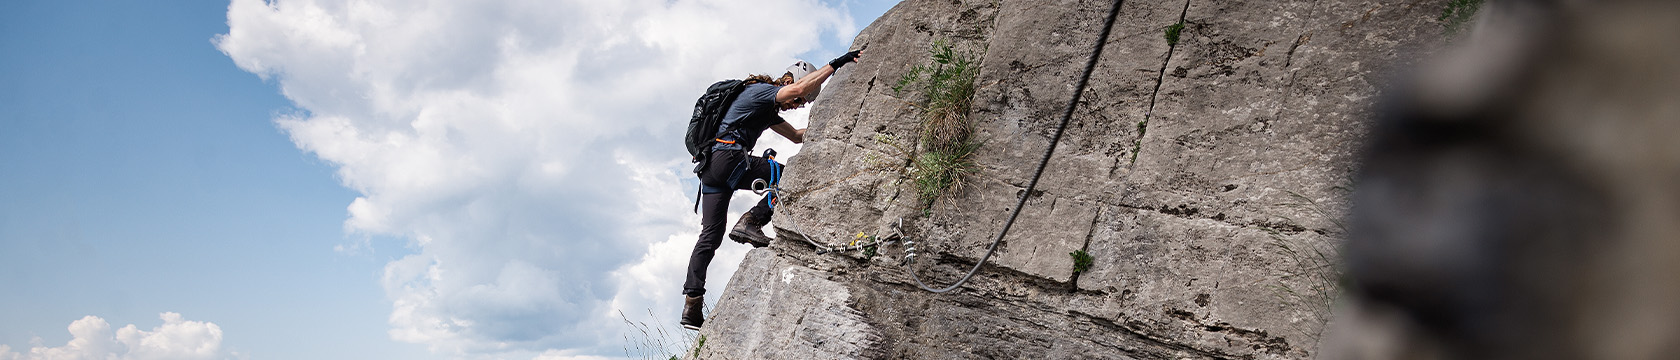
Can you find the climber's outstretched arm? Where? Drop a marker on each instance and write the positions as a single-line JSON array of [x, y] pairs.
[[795, 135], [803, 88]]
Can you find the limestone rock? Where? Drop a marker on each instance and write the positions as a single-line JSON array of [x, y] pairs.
[[1206, 178], [786, 312]]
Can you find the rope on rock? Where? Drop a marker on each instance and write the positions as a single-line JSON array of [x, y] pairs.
[[910, 251], [1067, 115]]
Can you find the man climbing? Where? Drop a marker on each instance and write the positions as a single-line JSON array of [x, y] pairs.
[[731, 167]]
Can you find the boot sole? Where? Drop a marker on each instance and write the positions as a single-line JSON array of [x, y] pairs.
[[748, 239], [691, 327]]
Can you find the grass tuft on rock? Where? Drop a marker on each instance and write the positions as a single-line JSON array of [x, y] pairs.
[[1457, 15], [648, 341], [1173, 32], [939, 171], [698, 345], [1081, 261], [942, 92]]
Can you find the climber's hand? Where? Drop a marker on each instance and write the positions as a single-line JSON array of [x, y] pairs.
[[843, 59]]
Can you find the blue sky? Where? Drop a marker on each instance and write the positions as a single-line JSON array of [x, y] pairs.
[[145, 170]]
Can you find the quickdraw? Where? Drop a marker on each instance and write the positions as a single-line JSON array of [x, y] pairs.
[[772, 189]]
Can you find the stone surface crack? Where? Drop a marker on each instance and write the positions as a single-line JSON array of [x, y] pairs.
[[1160, 76], [1289, 58], [1289, 61], [1280, 227], [857, 115], [1162, 345], [1091, 231]]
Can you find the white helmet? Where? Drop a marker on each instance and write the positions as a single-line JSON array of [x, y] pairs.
[[798, 70]]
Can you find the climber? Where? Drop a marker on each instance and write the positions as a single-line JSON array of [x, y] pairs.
[[731, 167]]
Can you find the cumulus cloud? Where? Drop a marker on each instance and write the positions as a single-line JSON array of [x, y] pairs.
[[92, 338], [562, 355], [529, 150]]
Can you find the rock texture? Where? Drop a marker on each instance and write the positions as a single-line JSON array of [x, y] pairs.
[[1519, 200], [1204, 177]]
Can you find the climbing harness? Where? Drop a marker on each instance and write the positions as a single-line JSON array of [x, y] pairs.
[[897, 229]]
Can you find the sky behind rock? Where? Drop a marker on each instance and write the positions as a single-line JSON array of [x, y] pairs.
[[510, 171]]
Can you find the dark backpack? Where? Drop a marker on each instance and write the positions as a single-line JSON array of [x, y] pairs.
[[708, 116]]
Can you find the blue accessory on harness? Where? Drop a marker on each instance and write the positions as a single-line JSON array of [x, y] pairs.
[[759, 186], [775, 181], [775, 178]]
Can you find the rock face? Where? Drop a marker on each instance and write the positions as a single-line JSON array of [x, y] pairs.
[[1205, 178]]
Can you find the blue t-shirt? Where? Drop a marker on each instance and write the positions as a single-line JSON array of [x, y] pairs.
[[751, 113]]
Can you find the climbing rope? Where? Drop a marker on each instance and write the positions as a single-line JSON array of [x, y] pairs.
[[1067, 115], [773, 188]]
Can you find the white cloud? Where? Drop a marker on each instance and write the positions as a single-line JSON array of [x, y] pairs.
[[530, 150], [92, 339], [561, 355]]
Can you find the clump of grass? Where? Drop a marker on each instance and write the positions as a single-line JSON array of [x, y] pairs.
[[1173, 32], [1081, 261], [943, 92], [1137, 144], [1311, 277], [1315, 265], [701, 343], [647, 341], [1457, 14], [937, 172]]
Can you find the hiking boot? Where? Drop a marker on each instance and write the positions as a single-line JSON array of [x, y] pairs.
[[750, 230], [692, 315]]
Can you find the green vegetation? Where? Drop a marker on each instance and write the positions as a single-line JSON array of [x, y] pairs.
[[1458, 14], [1173, 31], [943, 93], [1137, 144], [869, 250], [939, 171], [1310, 278], [1081, 261], [651, 342], [698, 345]]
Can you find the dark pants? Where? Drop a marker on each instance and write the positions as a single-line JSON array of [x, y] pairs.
[[714, 208]]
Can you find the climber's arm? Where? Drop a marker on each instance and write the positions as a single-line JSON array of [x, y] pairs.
[[803, 87], [786, 130]]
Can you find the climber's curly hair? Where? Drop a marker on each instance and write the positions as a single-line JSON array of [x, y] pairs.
[[765, 79]]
